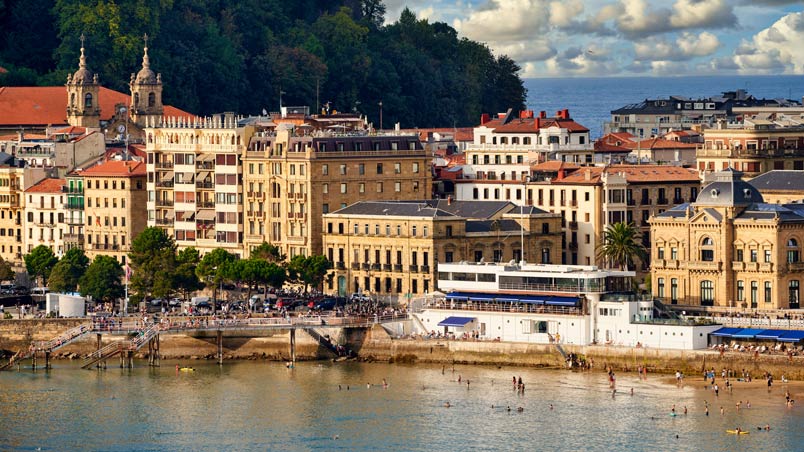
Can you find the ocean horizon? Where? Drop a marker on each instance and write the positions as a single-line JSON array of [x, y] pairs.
[[591, 99]]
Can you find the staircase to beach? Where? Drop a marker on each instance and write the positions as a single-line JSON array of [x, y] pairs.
[[117, 347], [323, 340], [49, 346]]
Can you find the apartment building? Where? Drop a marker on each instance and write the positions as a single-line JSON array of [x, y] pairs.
[[393, 248], [293, 178], [115, 207], [195, 181], [44, 218], [590, 199], [754, 147], [74, 211], [729, 249]]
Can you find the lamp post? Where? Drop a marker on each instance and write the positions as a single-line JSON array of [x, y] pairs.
[[124, 129], [380, 104]]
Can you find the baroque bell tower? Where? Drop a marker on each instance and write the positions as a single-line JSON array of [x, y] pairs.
[[146, 93], [83, 108]]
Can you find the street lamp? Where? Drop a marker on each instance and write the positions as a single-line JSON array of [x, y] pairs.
[[380, 104], [124, 130]]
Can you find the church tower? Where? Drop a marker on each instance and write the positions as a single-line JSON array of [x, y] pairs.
[[146, 93], [83, 108]]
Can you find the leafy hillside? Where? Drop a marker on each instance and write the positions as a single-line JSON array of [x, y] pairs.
[[238, 55]]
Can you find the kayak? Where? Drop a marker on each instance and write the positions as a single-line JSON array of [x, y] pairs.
[[741, 432]]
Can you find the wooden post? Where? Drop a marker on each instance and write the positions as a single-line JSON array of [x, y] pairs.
[[220, 347], [156, 348], [100, 342], [293, 346], [33, 361], [47, 360]]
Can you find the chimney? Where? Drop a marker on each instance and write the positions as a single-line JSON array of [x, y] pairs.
[[565, 113], [560, 174], [449, 200], [558, 114], [587, 174], [543, 114], [537, 123], [484, 118]]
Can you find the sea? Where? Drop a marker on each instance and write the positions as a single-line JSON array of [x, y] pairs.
[[261, 406], [591, 100]]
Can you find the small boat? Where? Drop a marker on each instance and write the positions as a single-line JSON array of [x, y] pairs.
[[737, 432], [187, 369]]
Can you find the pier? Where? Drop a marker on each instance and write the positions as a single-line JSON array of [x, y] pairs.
[[134, 335]]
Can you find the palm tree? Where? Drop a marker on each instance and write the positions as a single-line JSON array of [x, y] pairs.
[[621, 245]]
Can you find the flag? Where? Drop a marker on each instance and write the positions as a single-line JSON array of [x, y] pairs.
[[129, 272]]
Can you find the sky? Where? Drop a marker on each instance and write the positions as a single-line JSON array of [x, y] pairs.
[[598, 38]]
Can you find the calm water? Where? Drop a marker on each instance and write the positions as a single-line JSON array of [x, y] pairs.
[[263, 406], [590, 100]]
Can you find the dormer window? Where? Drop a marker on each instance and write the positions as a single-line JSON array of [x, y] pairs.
[[715, 192], [747, 193]]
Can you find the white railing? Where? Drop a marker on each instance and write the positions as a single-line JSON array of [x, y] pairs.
[[759, 322]]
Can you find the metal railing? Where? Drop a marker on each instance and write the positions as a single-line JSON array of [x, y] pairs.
[[503, 307]]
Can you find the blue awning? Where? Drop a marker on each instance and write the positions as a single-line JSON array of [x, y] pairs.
[[747, 333], [456, 321], [770, 334], [791, 336], [725, 332], [562, 301]]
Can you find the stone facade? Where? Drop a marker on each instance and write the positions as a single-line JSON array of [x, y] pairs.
[[392, 249], [729, 249], [292, 180], [115, 200]]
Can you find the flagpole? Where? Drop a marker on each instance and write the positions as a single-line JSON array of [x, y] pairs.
[[125, 302]]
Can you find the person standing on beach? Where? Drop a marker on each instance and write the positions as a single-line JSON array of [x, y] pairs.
[[716, 389]]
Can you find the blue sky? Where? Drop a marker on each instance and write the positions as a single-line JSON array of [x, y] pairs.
[[596, 38]]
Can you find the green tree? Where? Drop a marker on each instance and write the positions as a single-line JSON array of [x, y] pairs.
[[213, 269], [40, 262], [309, 270], [186, 281], [621, 245], [153, 264], [68, 271], [6, 272], [103, 279], [268, 252]]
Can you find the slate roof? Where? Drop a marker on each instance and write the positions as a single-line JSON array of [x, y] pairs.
[[477, 210], [489, 226], [779, 180]]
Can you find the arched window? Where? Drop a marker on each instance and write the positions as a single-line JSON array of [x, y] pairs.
[[151, 99], [72, 99], [707, 293], [793, 294], [707, 250], [88, 100], [136, 100], [792, 251]]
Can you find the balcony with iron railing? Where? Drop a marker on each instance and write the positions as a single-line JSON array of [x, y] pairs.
[[205, 204], [424, 269], [72, 190], [74, 206], [340, 265], [678, 200], [705, 265], [74, 238], [165, 183], [164, 165], [661, 201], [164, 203], [645, 202], [105, 246], [205, 185], [413, 268], [573, 225], [209, 166]]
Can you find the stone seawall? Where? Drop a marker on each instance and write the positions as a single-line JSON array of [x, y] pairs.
[[376, 345], [379, 346]]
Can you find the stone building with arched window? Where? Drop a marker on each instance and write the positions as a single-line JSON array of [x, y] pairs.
[[728, 249]]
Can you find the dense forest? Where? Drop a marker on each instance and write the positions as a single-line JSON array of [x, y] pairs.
[[241, 55]]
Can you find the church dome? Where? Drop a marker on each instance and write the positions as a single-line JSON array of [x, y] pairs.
[[83, 76], [146, 75], [726, 188]]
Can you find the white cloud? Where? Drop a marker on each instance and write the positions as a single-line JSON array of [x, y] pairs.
[[777, 48], [512, 20], [564, 13], [686, 46], [702, 13]]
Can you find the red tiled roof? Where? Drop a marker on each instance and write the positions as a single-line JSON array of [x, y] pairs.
[[44, 105], [458, 134], [634, 174], [47, 186], [27, 136], [554, 165], [117, 168], [528, 125], [71, 130]]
